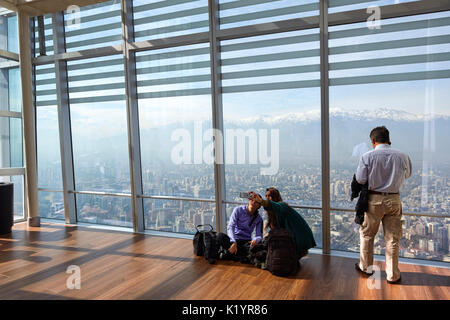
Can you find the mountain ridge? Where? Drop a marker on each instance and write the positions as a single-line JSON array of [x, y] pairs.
[[350, 114]]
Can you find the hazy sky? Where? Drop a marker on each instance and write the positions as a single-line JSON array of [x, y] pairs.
[[418, 97]]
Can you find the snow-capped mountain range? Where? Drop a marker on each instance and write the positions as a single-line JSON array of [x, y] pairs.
[[350, 114], [299, 136]]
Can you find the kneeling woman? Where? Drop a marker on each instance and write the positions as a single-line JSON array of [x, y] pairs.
[[281, 215]]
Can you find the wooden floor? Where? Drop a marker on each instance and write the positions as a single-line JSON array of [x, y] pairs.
[[116, 265]]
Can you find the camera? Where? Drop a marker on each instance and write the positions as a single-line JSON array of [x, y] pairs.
[[245, 195]]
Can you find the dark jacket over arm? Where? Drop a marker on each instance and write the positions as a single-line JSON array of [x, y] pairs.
[[363, 202]]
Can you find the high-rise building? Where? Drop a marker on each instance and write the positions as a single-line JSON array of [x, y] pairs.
[[442, 238], [432, 246]]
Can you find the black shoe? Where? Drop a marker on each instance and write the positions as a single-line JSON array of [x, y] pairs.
[[395, 282], [363, 272], [224, 255]]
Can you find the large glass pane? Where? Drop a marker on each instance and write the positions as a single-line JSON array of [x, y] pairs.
[[5, 150], [93, 26], [99, 137], [99, 125], [413, 75], [3, 33], [4, 79], [10, 142], [51, 205], [175, 121], [13, 38], [15, 129], [426, 238], [178, 216], [48, 148], [398, 76], [15, 92], [18, 195], [100, 147], [243, 13], [423, 237], [271, 109], [113, 211], [161, 19], [345, 232]]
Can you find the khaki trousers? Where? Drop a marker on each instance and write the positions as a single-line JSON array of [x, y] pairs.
[[388, 210]]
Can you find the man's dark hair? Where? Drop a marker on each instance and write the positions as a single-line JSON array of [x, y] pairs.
[[380, 135]]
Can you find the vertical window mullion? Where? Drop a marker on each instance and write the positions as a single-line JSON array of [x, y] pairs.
[[134, 150], [62, 94], [325, 126], [217, 115]]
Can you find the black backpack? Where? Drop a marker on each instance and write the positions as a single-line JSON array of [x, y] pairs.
[[205, 244], [281, 253]]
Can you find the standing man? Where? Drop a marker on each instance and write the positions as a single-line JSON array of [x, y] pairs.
[[386, 170]]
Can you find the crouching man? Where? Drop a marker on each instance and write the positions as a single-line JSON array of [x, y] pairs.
[[244, 220]]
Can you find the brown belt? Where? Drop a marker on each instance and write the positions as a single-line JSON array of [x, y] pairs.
[[382, 193]]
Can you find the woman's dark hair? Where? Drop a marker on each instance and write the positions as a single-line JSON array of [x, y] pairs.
[[275, 194], [276, 197]]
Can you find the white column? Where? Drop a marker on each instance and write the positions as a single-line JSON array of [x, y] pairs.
[[217, 115], [28, 117]]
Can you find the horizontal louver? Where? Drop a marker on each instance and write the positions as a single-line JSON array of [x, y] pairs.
[[247, 12], [281, 61], [169, 18], [96, 80], [93, 26], [45, 86], [346, 5], [402, 49], [173, 72]]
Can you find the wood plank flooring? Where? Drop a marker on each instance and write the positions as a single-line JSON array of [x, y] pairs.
[[117, 265]]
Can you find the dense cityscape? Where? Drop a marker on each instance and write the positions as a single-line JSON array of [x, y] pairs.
[[423, 237]]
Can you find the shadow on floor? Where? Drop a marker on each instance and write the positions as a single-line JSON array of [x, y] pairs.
[[28, 295], [6, 256], [424, 279]]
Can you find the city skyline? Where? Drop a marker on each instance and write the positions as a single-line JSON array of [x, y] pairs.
[[101, 168], [183, 216]]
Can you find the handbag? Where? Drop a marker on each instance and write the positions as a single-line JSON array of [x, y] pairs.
[[198, 241]]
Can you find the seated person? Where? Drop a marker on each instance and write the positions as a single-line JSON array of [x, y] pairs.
[[244, 220], [281, 215]]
